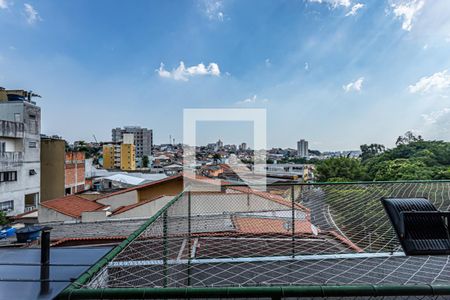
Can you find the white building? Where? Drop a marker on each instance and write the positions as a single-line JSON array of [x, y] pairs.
[[20, 128], [302, 148]]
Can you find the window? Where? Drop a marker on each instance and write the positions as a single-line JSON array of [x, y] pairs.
[[2, 147], [7, 205], [32, 117], [8, 176], [31, 144], [17, 117]]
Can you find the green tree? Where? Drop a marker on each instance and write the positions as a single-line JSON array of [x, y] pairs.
[[369, 151], [145, 161], [340, 169], [3, 218]]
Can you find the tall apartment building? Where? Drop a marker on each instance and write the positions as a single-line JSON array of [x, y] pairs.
[[143, 139], [302, 148], [108, 157], [120, 154], [20, 128], [128, 153]]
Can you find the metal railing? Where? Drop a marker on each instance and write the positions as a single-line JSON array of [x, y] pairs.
[[293, 240], [11, 157]]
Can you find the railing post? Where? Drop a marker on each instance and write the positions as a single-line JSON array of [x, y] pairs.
[[165, 249], [45, 260], [293, 220], [189, 238]]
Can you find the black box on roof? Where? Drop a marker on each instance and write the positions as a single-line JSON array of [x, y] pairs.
[[420, 227]]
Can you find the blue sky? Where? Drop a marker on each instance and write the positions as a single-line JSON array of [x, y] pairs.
[[338, 73]]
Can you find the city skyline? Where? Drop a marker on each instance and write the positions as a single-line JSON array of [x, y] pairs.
[[382, 71]]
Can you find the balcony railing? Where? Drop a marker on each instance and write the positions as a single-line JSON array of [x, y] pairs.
[[11, 129], [11, 157]]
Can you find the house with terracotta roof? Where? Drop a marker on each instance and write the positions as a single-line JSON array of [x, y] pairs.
[[134, 202], [145, 200]]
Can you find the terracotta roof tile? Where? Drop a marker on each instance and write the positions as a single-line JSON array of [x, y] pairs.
[[275, 198], [255, 225], [72, 205]]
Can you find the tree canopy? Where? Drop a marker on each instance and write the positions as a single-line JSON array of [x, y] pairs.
[[412, 159]]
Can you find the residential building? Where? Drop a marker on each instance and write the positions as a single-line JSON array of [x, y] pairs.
[[127, 157], [302, 148], [128, 153], [108, 157], [62, 173], [20, 126], [143, 138], [140, 201], [243, 147], [74, 172]]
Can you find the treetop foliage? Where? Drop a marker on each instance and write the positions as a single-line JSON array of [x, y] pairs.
[[412, 159]]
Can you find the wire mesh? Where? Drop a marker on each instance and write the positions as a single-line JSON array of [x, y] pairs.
[[309, 234]]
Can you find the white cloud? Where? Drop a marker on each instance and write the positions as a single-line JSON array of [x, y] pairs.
[[183, 73], [354, 86], [334, 3], [31, 14], [4, 4], [306, 66], [437, 82], [407, 11], [253, 100], [437, 124], [354, 9], [213, 9], [268, 62], [435, 116]]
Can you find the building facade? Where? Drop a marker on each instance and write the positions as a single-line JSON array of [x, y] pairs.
[[108, 157], [62, 172], [20, 128], [120, 155], [74, 172], [302, 148], [143, 139], [52, 168]]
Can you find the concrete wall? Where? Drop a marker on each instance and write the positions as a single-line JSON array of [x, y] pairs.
[[93, 216], [49, 215], [145, 210], [219, 203], [52, 169], [121, 199]]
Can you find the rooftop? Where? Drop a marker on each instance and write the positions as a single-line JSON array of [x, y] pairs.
[[72, 205], [330, 239]]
